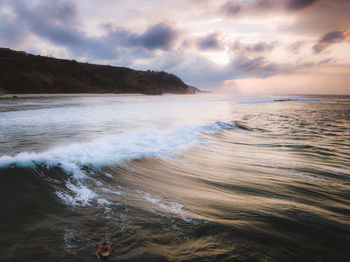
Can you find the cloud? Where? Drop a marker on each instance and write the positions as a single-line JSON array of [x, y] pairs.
[[61, 12], [202, 72], [261, 7], [295, 46], [230, 9], [318, 17], [211, 41], [309, 15], [11, 32], [147, 40], [160, 36], [258, 47], [188, 43], [245, 66], [326, 61], [59, 23], [295, 5], [329, 39]]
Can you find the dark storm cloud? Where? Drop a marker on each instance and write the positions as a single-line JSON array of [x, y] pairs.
[[295, 5], [210, 42], [259, 47], [329, 39]]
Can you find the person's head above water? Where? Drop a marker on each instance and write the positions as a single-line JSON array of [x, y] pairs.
[[104, 248]]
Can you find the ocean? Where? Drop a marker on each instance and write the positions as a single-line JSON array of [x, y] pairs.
[[206, 177]]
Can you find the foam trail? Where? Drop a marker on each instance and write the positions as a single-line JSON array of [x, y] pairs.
[[80, 195], [162, 205]]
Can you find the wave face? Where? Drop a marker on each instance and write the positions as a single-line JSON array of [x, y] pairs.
[[113, 150], [175, 178]]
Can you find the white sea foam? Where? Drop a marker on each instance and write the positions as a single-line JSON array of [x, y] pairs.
[[68, 239], [76, 195], [110, 150], [114, 149], [108, 212], [113, 192], [104, 202], [108, 175]]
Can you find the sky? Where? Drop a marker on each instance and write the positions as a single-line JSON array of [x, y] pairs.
[[232, 46]]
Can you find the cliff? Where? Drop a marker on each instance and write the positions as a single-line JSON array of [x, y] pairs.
[[22, 73]]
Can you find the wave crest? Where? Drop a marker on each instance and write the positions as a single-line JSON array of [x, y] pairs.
[[115, 149]]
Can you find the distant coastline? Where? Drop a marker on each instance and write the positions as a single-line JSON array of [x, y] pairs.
[[26, 74]]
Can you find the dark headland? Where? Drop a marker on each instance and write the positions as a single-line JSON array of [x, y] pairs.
[[23, 73]]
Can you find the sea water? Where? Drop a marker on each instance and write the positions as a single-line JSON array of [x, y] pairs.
[[205, 177]]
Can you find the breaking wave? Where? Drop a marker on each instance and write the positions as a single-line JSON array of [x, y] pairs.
[[115, 149]]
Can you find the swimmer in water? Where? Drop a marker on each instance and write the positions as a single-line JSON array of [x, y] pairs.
[[104, 248]]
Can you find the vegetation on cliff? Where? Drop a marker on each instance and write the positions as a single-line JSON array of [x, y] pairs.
[[22, 73]]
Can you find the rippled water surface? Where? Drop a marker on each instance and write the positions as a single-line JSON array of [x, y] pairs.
[[203, 177]]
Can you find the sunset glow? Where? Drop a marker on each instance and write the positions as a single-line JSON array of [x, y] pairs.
[[264, 46]]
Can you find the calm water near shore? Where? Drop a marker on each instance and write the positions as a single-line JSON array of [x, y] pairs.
[[205, 177]]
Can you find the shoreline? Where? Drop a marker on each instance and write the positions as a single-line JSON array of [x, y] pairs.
[[66, 95]]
